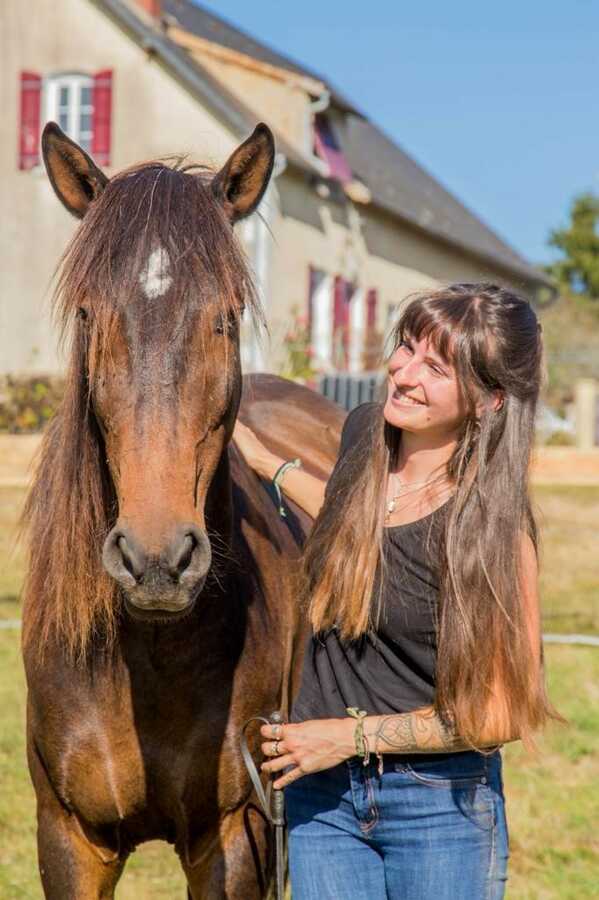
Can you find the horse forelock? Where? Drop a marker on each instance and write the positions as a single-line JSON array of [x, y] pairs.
[[154, 252], [155, 234]]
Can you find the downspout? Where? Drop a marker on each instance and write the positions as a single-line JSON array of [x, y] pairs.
[[321, 103]]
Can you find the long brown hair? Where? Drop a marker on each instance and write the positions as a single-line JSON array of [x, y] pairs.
[[493, 339], [72, 504]]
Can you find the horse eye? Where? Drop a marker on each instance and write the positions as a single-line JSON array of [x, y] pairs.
[[226, 323], [82, 313]]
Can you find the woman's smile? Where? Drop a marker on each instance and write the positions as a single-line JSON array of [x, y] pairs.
[[399, 398]]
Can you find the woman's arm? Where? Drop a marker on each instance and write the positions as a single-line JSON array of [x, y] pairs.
[[304, 489], [423, 731]]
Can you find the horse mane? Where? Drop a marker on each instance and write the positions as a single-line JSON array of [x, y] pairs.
[[69, 600]]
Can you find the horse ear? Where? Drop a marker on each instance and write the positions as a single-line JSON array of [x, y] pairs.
[[241, 183], [75, 177]]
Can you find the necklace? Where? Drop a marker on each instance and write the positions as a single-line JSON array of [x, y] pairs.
[[415, 485]]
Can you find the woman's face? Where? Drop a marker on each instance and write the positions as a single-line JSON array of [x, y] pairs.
[[422, 394]]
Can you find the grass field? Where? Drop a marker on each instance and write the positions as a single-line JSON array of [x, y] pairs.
[[553, 804]]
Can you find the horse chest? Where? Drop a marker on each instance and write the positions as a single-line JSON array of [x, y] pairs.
[[158, 758]]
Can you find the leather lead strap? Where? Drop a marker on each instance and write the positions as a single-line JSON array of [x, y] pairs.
[[271, 801]]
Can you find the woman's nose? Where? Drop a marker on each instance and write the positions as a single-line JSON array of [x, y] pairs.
[[407, 371]]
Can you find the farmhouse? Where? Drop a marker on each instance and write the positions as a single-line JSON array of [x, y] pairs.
[[348, 227]]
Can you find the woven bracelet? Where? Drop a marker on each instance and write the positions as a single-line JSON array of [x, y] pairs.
[[360, 739]]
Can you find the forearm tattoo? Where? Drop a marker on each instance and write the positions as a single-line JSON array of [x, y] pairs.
[[415, 732]]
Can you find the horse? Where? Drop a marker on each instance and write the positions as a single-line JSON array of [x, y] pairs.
[[160, 609]]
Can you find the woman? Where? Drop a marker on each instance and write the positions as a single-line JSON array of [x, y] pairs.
[[420, 577]]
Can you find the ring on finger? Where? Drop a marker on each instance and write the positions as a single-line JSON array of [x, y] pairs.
[[275, 748], [277, 730]]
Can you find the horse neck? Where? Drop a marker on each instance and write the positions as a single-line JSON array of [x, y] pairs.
[[219, 502]]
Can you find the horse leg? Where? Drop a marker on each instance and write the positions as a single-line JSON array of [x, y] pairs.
[[71, 866], [233, 865]]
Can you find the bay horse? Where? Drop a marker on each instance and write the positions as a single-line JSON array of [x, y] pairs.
[[159, 605]]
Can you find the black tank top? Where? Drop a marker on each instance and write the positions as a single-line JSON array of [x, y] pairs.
[[392, 668]]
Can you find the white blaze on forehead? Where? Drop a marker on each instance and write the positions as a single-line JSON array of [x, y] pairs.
[[155, 279]]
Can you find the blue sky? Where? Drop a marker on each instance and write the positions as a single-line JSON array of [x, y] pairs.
[[500, 102]]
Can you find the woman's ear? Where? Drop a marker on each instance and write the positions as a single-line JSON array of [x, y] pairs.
[[493, 404], [498, 400]]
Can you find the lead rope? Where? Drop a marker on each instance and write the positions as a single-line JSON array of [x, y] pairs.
[[272, 801]]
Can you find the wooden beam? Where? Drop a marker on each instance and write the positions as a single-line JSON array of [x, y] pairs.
[[200, 45]]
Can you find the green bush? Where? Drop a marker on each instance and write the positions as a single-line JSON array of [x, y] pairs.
[[27, 403]]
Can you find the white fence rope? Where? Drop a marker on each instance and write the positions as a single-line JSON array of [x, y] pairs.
[[586, 640]]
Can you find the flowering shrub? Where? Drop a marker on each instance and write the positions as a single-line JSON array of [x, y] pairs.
[[28, 402], [299, 353]]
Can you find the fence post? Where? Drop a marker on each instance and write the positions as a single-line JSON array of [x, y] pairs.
[[585, 391]]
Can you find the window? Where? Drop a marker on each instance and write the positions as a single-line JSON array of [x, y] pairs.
[[68, 101], [81, 104], [326, 146]]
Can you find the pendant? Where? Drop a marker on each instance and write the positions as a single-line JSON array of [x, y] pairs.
[[390, 506]]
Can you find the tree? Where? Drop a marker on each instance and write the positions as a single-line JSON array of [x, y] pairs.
[[579, 243]]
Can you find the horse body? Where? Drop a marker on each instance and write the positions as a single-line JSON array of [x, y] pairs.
[[142, 671], [143, 743]]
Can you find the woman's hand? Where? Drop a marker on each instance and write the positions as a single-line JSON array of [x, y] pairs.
[[309, 747], [255, 453]]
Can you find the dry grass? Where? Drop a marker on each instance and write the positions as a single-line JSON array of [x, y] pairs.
[[569, 584]]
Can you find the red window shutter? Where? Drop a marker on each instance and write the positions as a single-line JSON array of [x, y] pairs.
[[29, 131], [102, 103], [341, 298], [340, 308], [371, 301]]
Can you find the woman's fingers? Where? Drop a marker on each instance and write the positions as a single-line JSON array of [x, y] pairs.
[[274, 732], [278, 763], [274, 748], [287, 778]]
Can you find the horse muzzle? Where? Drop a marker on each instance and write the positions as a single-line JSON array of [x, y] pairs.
[[161, 585]]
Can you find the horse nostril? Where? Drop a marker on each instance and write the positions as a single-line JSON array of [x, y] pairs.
[[183, 555], [123, 559], [188, 556], [133, 565]]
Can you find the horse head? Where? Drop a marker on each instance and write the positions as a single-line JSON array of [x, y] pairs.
[[154, 283]]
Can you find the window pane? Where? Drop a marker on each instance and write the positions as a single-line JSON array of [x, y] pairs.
[[63, 96], [85, 122], [86, 96], [63, 120]]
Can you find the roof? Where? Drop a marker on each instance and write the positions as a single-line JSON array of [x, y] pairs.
[[403, 188], [234, 114], [199, 21], [398, 184]]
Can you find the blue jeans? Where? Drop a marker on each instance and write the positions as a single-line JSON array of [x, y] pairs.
[[420, 831]]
